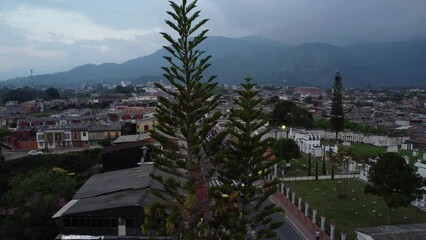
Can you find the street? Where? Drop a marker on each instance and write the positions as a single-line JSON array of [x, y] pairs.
[[15, 154], [287, 231]]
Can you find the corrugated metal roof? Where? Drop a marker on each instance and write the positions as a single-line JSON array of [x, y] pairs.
[[122, 188], [396, 232], [104, 183]]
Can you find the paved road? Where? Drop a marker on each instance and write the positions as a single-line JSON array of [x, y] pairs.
[[287, 231], [14, 154], [10, 155]]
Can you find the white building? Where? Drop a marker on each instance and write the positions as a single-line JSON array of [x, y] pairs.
[[420, 168]]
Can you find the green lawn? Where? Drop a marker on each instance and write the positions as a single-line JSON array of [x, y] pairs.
[[363, 151], [357, 210]]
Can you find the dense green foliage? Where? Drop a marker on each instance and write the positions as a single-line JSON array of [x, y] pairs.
[[355, 127], [25, 187], [32, 200], [289, 114], [125, 90], [185, 114], [234, 217], [52, 93], [21, 94], [286, 149], [394, 180], [337, 120], [80, 163], [33, 189]]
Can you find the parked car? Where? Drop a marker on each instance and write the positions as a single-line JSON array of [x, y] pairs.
[[34, 152]]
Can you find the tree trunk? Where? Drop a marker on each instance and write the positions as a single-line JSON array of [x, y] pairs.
[[309, 165]]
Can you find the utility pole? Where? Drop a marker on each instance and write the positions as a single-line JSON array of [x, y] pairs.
[[32, 81]]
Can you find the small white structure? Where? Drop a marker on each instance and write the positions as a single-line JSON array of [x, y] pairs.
[[420, 168], [393, 149], [307, 142], [407, 146], [364, 170]]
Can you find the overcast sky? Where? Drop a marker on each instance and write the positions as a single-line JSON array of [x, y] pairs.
[[57, 35]]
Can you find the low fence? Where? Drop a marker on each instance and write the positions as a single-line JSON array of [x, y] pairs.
[[323, 177]]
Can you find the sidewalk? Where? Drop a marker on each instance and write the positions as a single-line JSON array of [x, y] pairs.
[[302, 223]]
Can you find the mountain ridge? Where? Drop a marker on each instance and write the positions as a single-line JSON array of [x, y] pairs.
[[389, 64]]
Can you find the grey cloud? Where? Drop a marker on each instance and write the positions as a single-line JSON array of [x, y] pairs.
[[331, 21]]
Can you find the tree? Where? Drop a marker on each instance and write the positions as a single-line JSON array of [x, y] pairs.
[[244, 159], [20, 95], [32, 199], [394, 180], [337, 119], [286, 149], [289, 114], [187, 115], [272, 100], [308, 100], [52, 93], [125, 90]]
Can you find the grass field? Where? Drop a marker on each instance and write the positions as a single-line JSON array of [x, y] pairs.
[[357, 210]]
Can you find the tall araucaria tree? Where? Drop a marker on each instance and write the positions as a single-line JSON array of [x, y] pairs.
[[185, 117], [247, 161], [337, 120]]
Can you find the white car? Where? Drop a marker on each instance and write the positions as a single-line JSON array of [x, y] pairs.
[[34, 153]]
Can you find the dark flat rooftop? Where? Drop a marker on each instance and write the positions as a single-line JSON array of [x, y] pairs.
[[415, 231], [123, 188]]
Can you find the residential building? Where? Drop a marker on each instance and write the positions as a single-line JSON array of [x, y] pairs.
[[145, 124], [62, 137]]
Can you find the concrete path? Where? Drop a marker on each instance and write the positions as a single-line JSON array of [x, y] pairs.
[[302, 223]]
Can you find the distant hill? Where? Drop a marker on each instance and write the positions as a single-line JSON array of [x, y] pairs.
[[392, 64]]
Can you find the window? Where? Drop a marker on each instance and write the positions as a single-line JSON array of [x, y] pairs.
[[40, 137], [113, 222], [97, 222], [82, 222], [108, 135], [75, 136], [129, 222], [67, 222], [67, 136], [107, 222], [84, 134], [116, 134], [50, 137], [57, 136], [75, 222]]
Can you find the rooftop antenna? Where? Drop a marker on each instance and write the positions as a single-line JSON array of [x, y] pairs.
[[144, 153], [32, 81]]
